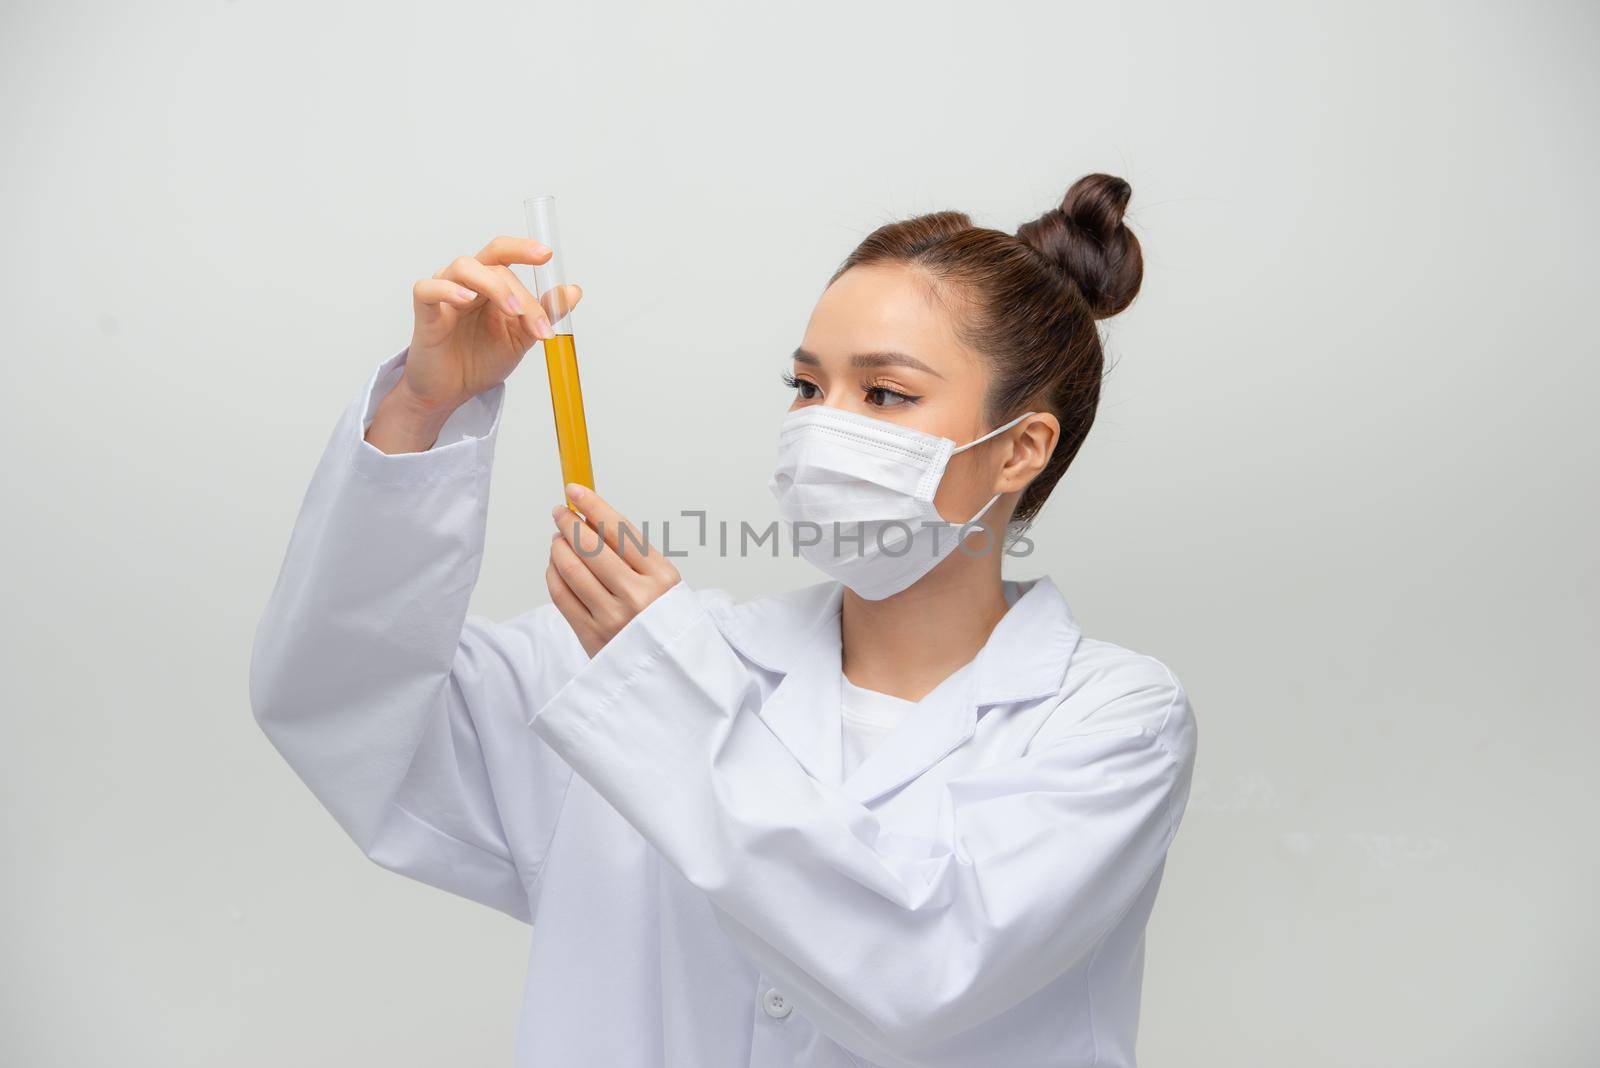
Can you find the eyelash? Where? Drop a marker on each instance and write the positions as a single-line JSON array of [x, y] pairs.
[[905, 398]]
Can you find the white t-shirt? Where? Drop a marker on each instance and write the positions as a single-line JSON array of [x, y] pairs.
[[867, 717]]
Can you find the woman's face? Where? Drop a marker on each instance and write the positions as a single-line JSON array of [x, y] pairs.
[[881, 345]]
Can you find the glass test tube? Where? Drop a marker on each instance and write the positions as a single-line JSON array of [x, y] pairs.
[[560, 352]]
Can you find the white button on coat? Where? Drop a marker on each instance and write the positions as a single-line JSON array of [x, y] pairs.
[[776, 1004], [673, 818]]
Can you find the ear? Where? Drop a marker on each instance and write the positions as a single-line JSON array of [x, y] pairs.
[[1033, 441]]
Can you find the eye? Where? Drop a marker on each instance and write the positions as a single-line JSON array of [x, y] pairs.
[[806, 388], [884, 397]]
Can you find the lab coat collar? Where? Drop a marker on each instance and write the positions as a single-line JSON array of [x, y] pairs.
[[796, 634]]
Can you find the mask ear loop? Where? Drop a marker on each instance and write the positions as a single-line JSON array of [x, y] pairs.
[[979, 441], [997, 430]]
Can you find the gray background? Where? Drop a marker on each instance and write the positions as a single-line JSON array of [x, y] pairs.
[[1343, 479]]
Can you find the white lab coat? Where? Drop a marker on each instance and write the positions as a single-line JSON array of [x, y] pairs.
[[704, 889]]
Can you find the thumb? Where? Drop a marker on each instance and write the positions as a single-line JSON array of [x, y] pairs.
[[559, 300]]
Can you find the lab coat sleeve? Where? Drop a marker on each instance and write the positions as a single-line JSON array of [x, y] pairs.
[[894, 946], [404, 715]]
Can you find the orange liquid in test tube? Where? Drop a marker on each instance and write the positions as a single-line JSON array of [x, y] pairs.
[[566, 401]]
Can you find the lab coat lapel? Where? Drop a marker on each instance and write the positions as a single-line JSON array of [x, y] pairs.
[[943, 720], [797, 635], [1024, 659], [1028, 651], [804, 713]]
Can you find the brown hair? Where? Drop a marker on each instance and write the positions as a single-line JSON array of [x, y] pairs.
[[1028, 302]]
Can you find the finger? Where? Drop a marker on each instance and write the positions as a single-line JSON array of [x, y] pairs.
[[477, 276], [574, 570], [433, 291], [435, 302], [566, 602], [601, 559], [611, 524], [533, 315], [559, 300], [504, 250]]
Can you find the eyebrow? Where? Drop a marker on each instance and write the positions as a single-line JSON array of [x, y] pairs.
[[871, 359]]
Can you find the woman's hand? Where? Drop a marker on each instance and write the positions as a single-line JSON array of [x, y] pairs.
[[474, 321], [600, 585]]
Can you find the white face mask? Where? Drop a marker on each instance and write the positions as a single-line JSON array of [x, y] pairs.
[[858, 493]]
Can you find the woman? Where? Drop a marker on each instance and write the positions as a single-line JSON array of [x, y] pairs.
[[907, 816]]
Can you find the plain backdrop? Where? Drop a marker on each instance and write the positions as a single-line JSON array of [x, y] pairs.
[[1343, 479]]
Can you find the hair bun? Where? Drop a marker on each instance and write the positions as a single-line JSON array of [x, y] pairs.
[[1086, 238]]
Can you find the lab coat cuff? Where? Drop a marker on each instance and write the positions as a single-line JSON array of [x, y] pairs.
[[587, 700], [465, 445]]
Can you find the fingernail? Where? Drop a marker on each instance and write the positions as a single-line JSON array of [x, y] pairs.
[[575, 490], [543, 329], [513, 305], [463, 293], [558, 513]]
